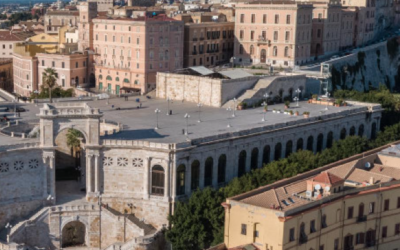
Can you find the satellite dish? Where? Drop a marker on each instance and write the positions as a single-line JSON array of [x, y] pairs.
[[367, 165], [317, 187], [327, 189]]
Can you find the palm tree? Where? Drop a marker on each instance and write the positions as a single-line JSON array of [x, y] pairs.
[[74, 143], [50, 77]]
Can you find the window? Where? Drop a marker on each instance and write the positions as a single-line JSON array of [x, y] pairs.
[[241, 34], [323, 221], [253, 18], [76, 65], [53, 64], [318, 33], [398, 202], [63, 82], [291, 235], [180, 181], [138, 41], [275, 51], [276, 19], [384, 232], [286, 51], [397, 229], [386, 205], [63, 65], [251, 49], [265, 18], [302, 236], [350, 211], [371, 207], [105, 38], [370, 238], [288, 19], [287, 36], [360, 238], [241, 18], [336, 244], [348, 242], [42, 62], [312, 226], [252, 35], [321, 247], [243, 230], [157, 180], [276, 36], [84, 64], [361, 210]]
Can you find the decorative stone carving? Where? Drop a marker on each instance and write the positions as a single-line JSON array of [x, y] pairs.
[[107, 161], [33, 163], [4, 167], [122, 161], [18, 165], [137, 162]]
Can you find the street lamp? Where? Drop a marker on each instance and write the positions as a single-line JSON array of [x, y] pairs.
[[266, 97], [199, 105], [168, 99], [187, 116], [265, 112], [8, 227], [327, 100], [229, 110], [157, 111], [298, 91], [234, 107]]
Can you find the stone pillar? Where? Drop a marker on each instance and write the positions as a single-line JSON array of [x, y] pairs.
[[96, 174], [272, 152], [45, 189], [215, 172], [248, 159], [146, 175], [202, 165], [167, 181], [89, 174], [50, 182]]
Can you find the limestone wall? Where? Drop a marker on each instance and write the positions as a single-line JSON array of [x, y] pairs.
[[22, 183], [208, 91]]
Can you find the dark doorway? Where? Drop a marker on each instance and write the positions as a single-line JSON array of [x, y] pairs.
[[73, 234]]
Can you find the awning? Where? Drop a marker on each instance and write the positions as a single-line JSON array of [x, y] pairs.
[[126, 89]]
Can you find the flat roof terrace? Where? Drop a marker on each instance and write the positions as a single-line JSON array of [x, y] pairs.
[[140, 123]]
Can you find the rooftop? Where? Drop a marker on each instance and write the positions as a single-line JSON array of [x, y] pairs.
[[14, 36], [360, 173], [139, 123]]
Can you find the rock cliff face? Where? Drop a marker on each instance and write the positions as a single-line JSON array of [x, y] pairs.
[[366, 69]]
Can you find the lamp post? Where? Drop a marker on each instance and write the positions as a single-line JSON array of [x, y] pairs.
[[296, 99], [234, 107], [187, 116], [327, 100], [8, 227], [229, 110], [298, 91], [265, 112], [199, 105], [168, 99], [157, 111]]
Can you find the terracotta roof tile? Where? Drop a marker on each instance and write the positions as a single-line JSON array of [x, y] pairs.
[[327, 178]]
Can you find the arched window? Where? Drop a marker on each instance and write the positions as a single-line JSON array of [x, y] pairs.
[[373, 131], [251, 49], [286, 51], [323, 221], [361, 130], [352, 131], [157, 180], [208, 171], [275, 51], [329, 141], [302, 233], [266, 154], [299, 145], [343, 133], [242, 163], [195, 180], [320, 142], [254, 158], [180, 180], [221, 168], [278, 151], [289, 148], [361, 210], [310, 143]]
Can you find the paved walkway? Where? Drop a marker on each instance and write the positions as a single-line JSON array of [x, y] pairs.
[[70, 193]]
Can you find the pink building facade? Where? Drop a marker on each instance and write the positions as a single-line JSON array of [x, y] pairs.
[[130, 51], [276, 33], [25, 74]]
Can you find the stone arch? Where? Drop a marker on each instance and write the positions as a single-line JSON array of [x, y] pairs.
[[343, 133], [329, 140], [373, 130], [310, 143], [299, 144], [180, 179], [195, 177], [361, 130], [254, 158], [266, 154], [73, 234], [221, 168], [289, 148], [352, 131], [278, 151], [320, 142], [242, 163], [208, 171]]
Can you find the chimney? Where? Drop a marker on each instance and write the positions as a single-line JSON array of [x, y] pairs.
[[371, 180]]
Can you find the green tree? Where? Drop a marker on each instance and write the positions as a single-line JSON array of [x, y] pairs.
[[73, 136], [50, 77]]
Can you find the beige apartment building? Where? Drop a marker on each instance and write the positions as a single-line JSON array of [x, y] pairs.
[[274, 33], [55, 19], [208, 39], [8, 39], [349, 205], [129, 51]]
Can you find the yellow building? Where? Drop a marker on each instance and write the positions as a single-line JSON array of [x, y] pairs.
[[351, 204]]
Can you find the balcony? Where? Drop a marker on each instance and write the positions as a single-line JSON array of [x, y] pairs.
[[303, 239], [361, 218], [194, 39], [263, 40], [201, 38]]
